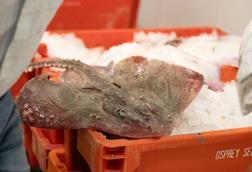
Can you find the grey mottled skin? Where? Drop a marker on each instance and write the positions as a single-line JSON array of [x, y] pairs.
[[134, 98]]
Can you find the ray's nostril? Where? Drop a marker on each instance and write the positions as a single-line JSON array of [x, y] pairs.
[[27, 116], [24, 116], [26, 105], [25, 113], [30, 111], [30, 118]]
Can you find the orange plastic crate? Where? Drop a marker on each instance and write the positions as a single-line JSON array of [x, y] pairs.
[[228, 73], [73, 158], [27, 143], [227, 150], [95, 14], [111, 37], [41, 146], [56, 161], [55, 136], [64, 160]]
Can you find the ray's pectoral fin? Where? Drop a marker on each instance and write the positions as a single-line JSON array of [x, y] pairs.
[[166, 88]]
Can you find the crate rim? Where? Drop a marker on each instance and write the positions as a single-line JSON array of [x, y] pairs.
[[176, 141], [146, 30]]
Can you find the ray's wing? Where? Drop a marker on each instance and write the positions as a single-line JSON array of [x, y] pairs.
[[165, 88]]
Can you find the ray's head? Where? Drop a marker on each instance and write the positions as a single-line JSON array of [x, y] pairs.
[[35, 103]]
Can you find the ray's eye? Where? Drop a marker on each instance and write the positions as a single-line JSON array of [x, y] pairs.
[[117, 85]]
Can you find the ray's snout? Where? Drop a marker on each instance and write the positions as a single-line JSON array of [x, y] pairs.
[[27, 114]]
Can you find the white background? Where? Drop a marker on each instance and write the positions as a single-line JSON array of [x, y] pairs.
[[230, 15]]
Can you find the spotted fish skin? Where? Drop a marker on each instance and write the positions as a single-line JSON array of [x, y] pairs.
[[134, 98]]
